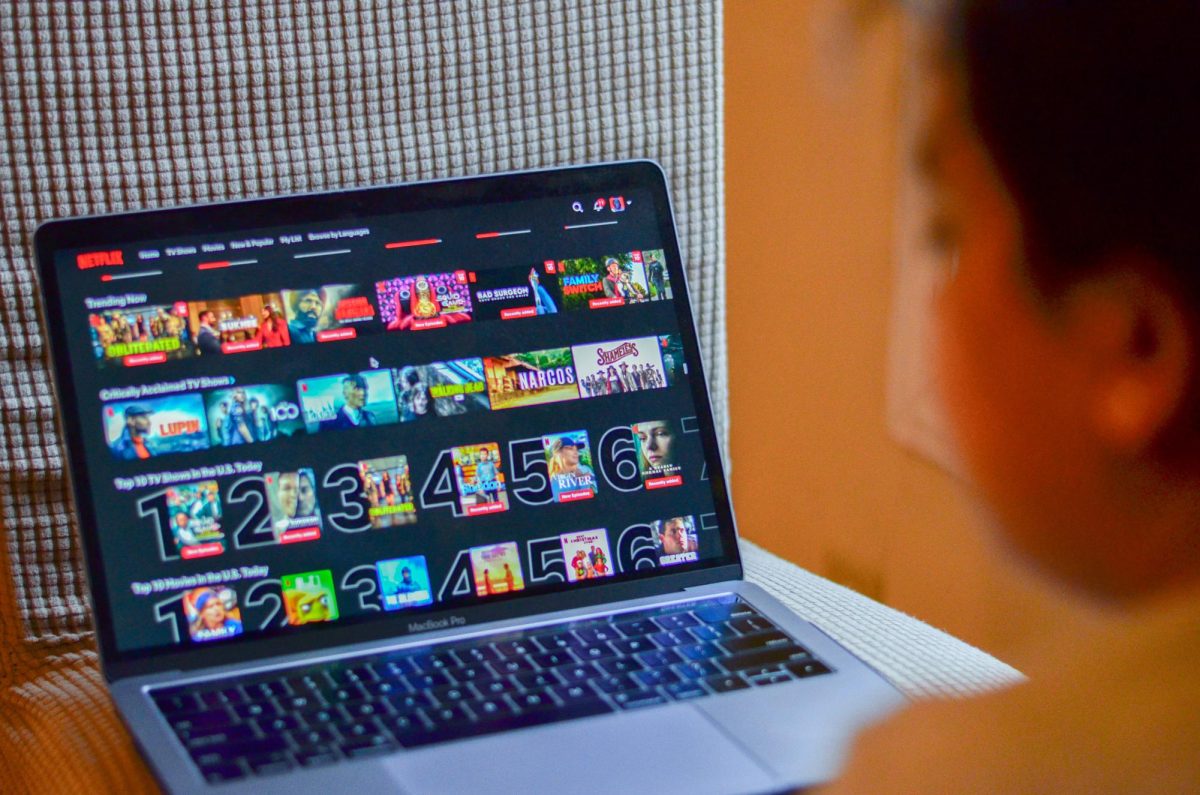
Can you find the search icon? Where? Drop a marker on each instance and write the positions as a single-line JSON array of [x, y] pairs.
[[577, 207]]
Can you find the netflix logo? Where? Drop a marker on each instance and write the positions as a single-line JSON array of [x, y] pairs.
[[99, 259]]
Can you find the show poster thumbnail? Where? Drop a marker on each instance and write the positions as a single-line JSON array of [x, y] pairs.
[[195, 516], [249, 414], [480, 479], [329, 313], [292, 499], [514, 293], [674, 365], [587, 555], [152, 427], [442, 389], [528, 379], [656, 442], [619, 366], [675, 540], [348, 400], [569, 466], [612, 280], [416, 303], [237, 325], [497, 569], [310, 597], [142, 335], [212, 613], [404, 582], [387, 488], [657, 276]]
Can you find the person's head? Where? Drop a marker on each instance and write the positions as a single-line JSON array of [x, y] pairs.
[[181, 520], [673, 537], [211, 610], [138, 418], [406, 575], [656, 440], [566, 449], [485, 454], [1063, 151], [307, 306], [208, 318], [418, 398], [288, 493], [354, 391], [306, 493], [613, 266]]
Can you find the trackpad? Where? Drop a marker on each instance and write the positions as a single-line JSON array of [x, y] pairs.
[[672, 749]]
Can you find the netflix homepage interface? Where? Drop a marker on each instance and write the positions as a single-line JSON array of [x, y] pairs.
[[385, 417]]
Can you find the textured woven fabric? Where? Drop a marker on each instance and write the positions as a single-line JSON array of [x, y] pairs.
[[114, 105], [919, 660]]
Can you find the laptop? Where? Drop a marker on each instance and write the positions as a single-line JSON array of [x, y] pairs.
[[418, 487]]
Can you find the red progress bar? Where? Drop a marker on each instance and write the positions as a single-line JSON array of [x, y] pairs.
[[482, 235], [208, 266], [429, 241]]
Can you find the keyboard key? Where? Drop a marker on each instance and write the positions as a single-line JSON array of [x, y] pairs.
[[510, 665], [657, 659], [595, 651], [615, 684], [427, 681], [723, 683], [552, 659], [269, 764], [576, 709], [279, 723], [317, 755], [598, 633], [718, 612], [698, 651], [569, 693], [319, 716], [263, 691], [770, 679], [757, 640], [365, 727], [806, 668], [534, 699], [359, 747], [711, 632], [750, 624], [676, 621], [409, 702], [536, 680], [667, 639], [360, 709], [317, 735], [451, 694], [619, 665], [215, 774], [554, 641], [175, 702], [468, 673], [200, 739], [763, 658], [636, 628], [634, 699], [489, 708], [498, 686], [655, 677], [200, 721], [633, 645], [684, 690], [446, 714], [578, 673], [475, 654], [700, 669], [515, 648]]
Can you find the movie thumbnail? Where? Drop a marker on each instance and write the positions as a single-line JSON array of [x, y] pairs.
[[657, 445], [514, 293], [249, 414], [674, 365], [619, 366], [152, 427], [497, 569], [194, 511], [212, 613], [404, 582], [237, 325], [348, 400], [329, 313], [613, 280], [658, 277], [309, 597], [415, 303], [387, 488], [480, 479], [569, 466], [587, 555], [292, 498], [528, 379], [142, 335], [441, 389], [675, 540]]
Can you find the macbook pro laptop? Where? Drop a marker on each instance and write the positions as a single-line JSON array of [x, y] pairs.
[[417, 488]]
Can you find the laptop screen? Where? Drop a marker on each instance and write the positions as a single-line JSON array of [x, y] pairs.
[[397, 406]]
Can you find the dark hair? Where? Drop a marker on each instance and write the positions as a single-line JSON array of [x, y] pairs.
[[1090, 111]]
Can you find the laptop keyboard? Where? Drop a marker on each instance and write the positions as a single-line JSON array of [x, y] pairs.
[[378, 703]]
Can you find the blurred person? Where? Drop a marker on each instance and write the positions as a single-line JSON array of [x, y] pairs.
[[1063, 150]]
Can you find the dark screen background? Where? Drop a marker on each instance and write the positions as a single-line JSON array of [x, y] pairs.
[[125, 521]]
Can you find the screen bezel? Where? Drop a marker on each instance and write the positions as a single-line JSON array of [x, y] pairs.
[[114, 230]]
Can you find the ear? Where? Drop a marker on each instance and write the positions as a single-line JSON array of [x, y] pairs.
[[1140, 343]]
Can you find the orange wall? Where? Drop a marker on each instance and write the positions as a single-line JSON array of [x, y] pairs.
[[811, 169]]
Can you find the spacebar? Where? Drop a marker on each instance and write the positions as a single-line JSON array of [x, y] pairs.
[[577, 709]]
